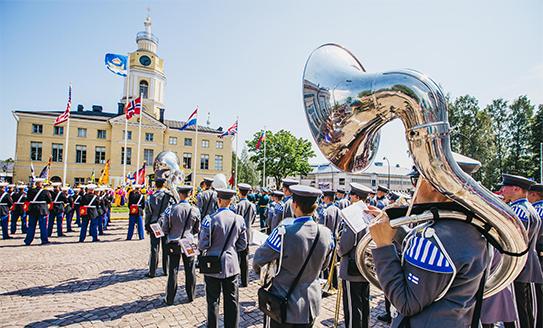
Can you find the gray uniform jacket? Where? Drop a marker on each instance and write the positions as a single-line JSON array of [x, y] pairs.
[[346, 249], [248, 211], [287, 208], [332, 219], [207, 202], [304, 302], [178, 218], [156, 204], [529, 217], [212, 238], [539, 245], [342, 203], [436, 282], [277, 215]]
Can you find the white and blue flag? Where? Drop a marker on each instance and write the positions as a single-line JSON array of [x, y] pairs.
[[192, 121], [117, 64]]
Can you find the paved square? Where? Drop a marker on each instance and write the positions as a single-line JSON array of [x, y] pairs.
[[101, 284]]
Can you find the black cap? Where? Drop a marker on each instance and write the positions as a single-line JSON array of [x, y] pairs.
[[382, 188], [394, 196], [278, 193], [160, 180], [537, 187], [305, 191], [244, 186], [516, 180], [225, 193], [359, 189], [184, 189], [329, 193], [340, 190], [207, 179], [289, 182]]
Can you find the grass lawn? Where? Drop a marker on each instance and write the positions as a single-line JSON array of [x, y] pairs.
[[120, 209]]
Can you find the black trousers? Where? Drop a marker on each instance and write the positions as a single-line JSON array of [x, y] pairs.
[[356, 303], [505, 325], [174, 256], [244, 267], [229, 288], [525, 297], [275, 324], [539, 300], [153, 257]]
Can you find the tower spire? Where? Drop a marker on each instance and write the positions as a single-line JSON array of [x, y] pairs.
[[147, 23]]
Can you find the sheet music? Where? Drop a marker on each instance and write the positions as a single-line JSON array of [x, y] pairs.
[[355, 217], [157, 230]]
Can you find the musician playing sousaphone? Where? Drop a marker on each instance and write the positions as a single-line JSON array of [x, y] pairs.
[[439, 282]]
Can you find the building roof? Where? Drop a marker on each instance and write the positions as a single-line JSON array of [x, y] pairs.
[[178, 124], [376, 168]]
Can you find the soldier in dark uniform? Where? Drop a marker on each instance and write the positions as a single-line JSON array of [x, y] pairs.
[[381, 200], [207, 199], [514, 190], [289, 244], [109, 201], [90, 202], [154, 207], [57, 212], [69, 208], [5, 205], [332, 220], [101, 209], [80, 192], [180, 221], [248, 211], [19, 198], [535, 196], [136, 203], [438, 290], [214, 240], [341, 199], [287, 200], [356, 289], [275, 211], [38, 211], [262, 208]]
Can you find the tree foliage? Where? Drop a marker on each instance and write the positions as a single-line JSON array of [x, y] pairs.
[[247, 169]]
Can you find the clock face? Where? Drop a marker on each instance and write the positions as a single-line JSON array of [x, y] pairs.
[[145, 60]]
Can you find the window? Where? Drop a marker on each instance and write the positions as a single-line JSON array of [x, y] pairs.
[[341, 181], [58, 130], [82, 132], [173, 140], [99, 155], [144, 88], [149, 137], [205, 143], [56, 153], [218, 162], [37, 128], [188, 141], [128, 155], [101, 134], [129, 135], [78, 181], [219, 145], [187, 160], [35, 151], [204, 162], [148, 156], [81, 154]]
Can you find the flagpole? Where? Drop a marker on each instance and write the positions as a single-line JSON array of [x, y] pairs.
[[237, 154], [264, 167], [195, 151], [66, 146], [127, 83], [139, 140]]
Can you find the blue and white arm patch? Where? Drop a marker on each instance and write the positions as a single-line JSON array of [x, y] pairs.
[[274, 240], [424, 254], [206, 222], [521, 213], [278, 208], [168, 210]]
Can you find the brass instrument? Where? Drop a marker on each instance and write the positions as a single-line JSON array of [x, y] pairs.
[[345, 108], [166, 166]]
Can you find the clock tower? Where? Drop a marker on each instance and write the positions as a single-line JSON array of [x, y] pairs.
[[147, 72]]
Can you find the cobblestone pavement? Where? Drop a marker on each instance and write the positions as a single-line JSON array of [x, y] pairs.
[[67, 283]]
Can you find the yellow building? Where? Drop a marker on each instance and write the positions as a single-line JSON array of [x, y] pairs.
[[97, 136]]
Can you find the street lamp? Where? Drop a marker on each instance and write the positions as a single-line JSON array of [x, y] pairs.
[[388, 162]]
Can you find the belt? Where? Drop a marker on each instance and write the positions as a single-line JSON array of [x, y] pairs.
[[38, 202], [90, 206], [3, 204], [58, 202]]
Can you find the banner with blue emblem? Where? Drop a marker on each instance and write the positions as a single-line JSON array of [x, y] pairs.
[[117, 64]]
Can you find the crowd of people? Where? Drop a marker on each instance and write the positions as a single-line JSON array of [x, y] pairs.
[[430, 277]]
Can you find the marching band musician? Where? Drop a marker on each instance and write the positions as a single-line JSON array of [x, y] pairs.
[[442, 289], [101, 209], [287, 199], [535, 196], [5, 205], [302, 248], [207, 199], [89, 214], [262, 203], [214, 240], [356, 289], [180, 221], [57, 212], [19, 198], [341, 199], [514, 190], [38, 211], [275, 210], [381, 201], [248, 211], [136, 202], [69, 209], [332, 220], [80, 192]]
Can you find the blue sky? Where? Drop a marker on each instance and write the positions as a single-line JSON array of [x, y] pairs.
[[246, 58]]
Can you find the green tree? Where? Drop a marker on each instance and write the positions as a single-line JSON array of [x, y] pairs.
[[518, 126], [498, 111], [535, 142], [247, 169], [286, 155]]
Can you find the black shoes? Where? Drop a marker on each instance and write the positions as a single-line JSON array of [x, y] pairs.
[[385, 318]]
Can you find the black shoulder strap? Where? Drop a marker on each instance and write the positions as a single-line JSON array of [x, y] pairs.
[[186, 222], [295, 282], [228, 237], [478, 302], [207, 205]]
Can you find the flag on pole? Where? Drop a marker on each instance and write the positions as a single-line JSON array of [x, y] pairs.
[[117, 64], [133, 108], [261, 140], [66, 115], [231, 130], [32, 171], [141, 175], [104, 177], [44, 174], [192, 120], [93, 176]]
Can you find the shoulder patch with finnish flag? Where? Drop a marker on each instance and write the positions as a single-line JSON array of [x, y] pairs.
[[206, 223], [427, 255], [274, 240], [117, 64]]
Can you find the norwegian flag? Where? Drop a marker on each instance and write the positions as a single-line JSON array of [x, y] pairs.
[[231, 130], [261, 140], [66, 115], [133, 108]]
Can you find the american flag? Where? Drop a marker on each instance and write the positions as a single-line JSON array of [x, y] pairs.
[[133, 108], [231, 130], [66, 115]]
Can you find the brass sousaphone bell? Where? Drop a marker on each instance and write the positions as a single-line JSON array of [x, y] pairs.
[[346, 107]]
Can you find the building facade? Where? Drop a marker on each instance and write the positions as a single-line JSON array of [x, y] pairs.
[[96, 136]]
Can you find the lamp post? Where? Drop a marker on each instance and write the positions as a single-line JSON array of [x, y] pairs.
[[388, 162]]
